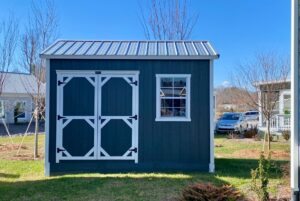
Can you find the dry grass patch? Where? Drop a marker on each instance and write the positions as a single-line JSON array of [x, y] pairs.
[[253, 153]]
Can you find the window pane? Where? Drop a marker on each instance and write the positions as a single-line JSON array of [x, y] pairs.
[[166, 102], [179, 82], [20, 110], [166, 92], [179, 112], [166, 82], [179, 92], [166, 112], [179, 102]]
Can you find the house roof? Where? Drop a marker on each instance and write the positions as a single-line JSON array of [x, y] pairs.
[[70, 49], [20, 83], [287, 81]]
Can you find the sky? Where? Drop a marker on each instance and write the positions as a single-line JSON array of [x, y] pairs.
[[238, 29]]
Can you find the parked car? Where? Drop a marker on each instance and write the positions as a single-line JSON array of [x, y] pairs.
[[251, 115], [231, 122]]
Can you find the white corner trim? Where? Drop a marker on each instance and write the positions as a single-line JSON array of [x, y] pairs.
[[187, 118], [294, 97], [47, 163], [211, 114]]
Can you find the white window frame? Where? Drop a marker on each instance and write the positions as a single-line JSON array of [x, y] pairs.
[[188, 97], [2, 114]]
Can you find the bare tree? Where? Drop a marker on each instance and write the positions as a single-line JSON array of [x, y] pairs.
[[41, 30], [264, 76], [9, 29], [168, 20]]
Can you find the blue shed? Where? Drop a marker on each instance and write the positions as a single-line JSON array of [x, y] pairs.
[[120, 106]]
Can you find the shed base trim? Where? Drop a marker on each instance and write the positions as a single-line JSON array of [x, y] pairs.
[[211, 167]]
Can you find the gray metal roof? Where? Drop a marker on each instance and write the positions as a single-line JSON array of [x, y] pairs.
[[20, 83], [130, 50]]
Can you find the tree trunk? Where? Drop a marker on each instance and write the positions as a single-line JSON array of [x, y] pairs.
[[269, 135], [36, 131]]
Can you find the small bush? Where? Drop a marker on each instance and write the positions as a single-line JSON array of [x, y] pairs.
[[209, 192], [286, 135], [260, 178], [251, 133]]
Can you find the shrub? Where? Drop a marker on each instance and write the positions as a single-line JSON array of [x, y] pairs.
[[251, 133], [209, 192], [262, 173], [286, 135]]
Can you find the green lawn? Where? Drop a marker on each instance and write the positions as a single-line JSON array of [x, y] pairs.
[[22, 178]]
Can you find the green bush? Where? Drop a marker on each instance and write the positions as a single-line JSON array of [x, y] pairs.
[[286, 135], [209, 192], [260, 178]]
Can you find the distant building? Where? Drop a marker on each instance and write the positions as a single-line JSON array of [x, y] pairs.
[[281, 119], [16, 99]]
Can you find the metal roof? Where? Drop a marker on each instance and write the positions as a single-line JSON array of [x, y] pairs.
[[19, 83], [70, 49]]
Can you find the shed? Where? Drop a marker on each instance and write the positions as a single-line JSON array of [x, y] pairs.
[[120, 106]]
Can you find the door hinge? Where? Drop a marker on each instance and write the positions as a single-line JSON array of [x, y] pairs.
[[60, 117], [60, 82], [135, 83], [133, 150], [59, 150], [134, 117], [97, 72]]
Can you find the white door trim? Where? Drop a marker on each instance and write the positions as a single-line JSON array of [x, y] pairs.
[[97, 83], [60, 124], [107, 75]]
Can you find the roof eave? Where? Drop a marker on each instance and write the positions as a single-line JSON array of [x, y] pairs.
[[110, 57]]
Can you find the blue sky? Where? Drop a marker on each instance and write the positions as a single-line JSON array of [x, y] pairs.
[[238, 29]]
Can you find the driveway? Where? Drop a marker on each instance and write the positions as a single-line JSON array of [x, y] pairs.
[[19, 129]]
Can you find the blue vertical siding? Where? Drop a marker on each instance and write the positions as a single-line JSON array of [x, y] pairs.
[[163, 146]]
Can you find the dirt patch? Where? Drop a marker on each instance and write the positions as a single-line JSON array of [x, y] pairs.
[[9, 152], [252, 153], [11, 147]]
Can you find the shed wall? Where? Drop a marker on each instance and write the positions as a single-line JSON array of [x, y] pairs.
[[163, 146]]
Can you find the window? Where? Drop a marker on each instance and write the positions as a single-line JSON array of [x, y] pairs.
[[20, 110], [2, 113], [173, 97]]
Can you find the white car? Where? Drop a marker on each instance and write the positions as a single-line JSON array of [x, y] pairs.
[[251, 115]]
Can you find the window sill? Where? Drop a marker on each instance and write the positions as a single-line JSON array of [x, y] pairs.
[[184, 119]]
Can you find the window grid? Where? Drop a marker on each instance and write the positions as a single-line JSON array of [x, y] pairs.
[[172, 109]]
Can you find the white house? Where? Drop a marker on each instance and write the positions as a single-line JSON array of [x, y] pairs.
[[281, 119], [16, 99]]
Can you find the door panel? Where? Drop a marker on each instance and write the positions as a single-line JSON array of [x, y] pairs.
[[116, 98], [78, 95], [76, 117], [118, 111], [78, 137], [116, 137], [97, 116]]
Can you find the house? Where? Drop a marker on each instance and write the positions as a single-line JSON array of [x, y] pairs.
[[16, 99], [281, 119], [116, 106], [295, 84]]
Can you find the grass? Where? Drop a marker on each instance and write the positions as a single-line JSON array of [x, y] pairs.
[[22, 179]]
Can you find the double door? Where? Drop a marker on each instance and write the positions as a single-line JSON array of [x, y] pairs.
[[97, 115]]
